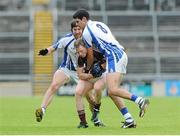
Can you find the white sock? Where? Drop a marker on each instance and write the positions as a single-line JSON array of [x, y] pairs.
[[138, 100], [43, 110], [128, 117]]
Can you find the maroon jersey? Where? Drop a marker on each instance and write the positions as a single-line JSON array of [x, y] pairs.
[[98, 57]]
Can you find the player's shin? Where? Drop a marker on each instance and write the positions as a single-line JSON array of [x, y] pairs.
[[82, 117]]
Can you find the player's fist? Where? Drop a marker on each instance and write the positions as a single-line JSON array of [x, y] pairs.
[[43, 52], [97, 70]]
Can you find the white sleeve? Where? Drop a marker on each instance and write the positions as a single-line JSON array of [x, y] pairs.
[[59, 44], [87, 38]]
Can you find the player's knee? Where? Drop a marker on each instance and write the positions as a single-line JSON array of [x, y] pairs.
[[79, 92], [111, 91], [111, 96], [54, 87], [98, 89]]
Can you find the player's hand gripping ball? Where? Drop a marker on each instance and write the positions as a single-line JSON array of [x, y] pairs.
[[97, 70]]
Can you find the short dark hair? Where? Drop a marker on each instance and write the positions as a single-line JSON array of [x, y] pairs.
[[80, 14], [73, 24]]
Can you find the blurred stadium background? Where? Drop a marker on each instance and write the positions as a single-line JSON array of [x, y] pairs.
[[148, 29]]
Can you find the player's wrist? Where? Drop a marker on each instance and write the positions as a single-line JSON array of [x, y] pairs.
[[86, 70]]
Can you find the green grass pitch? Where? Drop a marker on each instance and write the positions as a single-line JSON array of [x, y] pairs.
[[17, 117]]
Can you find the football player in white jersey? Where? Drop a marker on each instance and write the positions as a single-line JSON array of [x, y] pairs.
[[66, 71], [98, 34]]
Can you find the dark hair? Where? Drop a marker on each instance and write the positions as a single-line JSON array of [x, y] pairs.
[[73, 24], [80, 14], [79, 42]]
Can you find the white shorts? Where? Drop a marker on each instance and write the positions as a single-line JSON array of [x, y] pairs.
[[120, 66], [71, 74]]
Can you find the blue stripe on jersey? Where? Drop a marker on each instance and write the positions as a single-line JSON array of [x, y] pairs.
[[55, 46], [108, 48], [70, 65], [86, 43], [115, 50], [94, 41], [111, 65], [69, 35], [111, 51], [65, 58]]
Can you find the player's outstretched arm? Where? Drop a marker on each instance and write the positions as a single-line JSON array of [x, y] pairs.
[[46, 51]]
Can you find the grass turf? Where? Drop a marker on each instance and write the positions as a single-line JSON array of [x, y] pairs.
[[17, 117]]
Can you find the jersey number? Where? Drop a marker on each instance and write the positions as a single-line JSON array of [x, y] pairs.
[[102, 28]]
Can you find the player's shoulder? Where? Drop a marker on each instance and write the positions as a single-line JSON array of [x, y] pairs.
[[66, 38], [68, 35], [90, 26], [94, 23]]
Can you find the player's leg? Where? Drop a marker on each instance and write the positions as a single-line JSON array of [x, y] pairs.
[[81, 89], [59, 79], [129, 121], [99, 86], [90, 97], [113, 81]]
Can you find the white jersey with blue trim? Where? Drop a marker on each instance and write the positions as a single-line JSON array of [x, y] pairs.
[[69, 59], [99, 35]]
